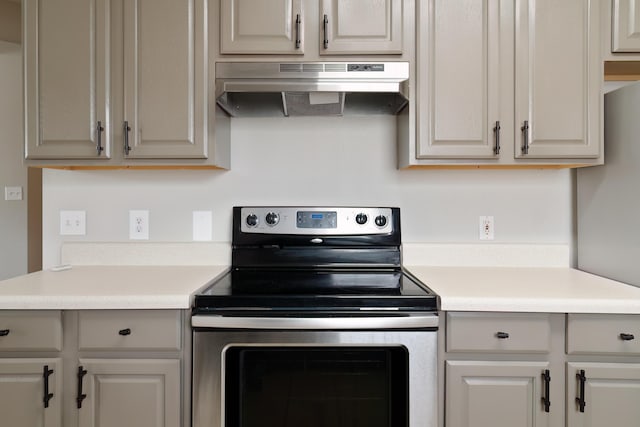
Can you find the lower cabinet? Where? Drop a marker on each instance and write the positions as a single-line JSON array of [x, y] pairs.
[[95, 368], [31, 392], [540, 369], [603, 394], [123, 393], [603, 370], [496, 394]]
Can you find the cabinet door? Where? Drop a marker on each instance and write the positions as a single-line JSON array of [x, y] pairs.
[[611, 395], [459, 83], [625, 26], [361, 26], [261, 26], [130, 393], [22, 387], [558, 79], [66, 77], [165, 84], [497, 394]]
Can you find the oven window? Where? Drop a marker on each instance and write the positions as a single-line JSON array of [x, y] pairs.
[[316, 387]]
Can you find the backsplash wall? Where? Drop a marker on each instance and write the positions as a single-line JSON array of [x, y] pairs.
[[313, 161]]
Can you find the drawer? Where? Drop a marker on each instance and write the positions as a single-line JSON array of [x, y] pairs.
[[499, 332], [603, 334], [30, 330], [129, 330]]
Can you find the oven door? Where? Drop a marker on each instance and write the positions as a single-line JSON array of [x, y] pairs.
[[249, 376]]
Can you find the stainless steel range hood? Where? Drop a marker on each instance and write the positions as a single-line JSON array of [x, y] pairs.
[[249, 89]]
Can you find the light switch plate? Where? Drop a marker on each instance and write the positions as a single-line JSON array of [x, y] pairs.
[[73, 223], [202, 226], [13, 193]]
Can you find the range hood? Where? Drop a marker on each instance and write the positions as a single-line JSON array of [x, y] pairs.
[[250, 89]]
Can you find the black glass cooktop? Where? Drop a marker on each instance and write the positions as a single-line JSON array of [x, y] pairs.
[[315, 290]]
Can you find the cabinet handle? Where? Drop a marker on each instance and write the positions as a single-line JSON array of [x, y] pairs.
[[4, 332], [546, 399], [125, 332], [496, 135], [127, 129], [325, 24], [45, 375], [580, 399], [502, 335], [298, 31], [99, 130], [525, 137], [81, 396], [626, 337]]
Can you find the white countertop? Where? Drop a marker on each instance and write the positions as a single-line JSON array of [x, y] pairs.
[[522, 289], [108, 287]]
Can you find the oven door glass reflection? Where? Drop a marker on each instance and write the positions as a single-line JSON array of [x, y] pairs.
[[316, 386]]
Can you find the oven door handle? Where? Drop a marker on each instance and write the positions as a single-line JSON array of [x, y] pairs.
[[412, 321]]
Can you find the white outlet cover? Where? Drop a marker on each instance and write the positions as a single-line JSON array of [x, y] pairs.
[[202, 226], [73, 223], [139, 225], [486, 228]]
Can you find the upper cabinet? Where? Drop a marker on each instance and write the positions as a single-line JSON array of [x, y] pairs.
[[278, 27], [361, 27], [503, 83], [625, 30], [261, 26], [67, 91], [119, 83]]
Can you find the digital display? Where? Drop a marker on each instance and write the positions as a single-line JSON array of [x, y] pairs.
[[315, 219]]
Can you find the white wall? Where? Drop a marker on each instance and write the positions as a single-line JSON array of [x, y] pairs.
[[13, 214], [314, 161]]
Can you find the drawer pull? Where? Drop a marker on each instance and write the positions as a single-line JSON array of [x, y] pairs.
[[124, 332], [47, 396], [4, 332], [580, 399], [81, 396], [502, 335], [626, 337], [546, 399]]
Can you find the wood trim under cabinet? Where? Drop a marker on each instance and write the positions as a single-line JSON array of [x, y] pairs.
[[621, 70]]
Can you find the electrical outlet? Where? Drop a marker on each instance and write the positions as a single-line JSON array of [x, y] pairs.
[[139, 225], [486, 229], [73, 223], [13, 193]]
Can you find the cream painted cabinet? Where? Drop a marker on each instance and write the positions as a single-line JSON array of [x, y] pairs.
[[261, 26], [558, 79], [361, 27], [504, 83], [463, 80], [31, 392], [354, 27], [165, 88], [603, 394], [625, 26], [122, 81], [497, 394], [66, 77], [500, 370], [603, 372], [134, 392]]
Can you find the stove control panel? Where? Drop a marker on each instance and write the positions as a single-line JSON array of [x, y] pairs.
[[317, 220]]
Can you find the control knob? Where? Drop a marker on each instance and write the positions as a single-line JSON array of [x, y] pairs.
[[272, 218], [252, 220], [381, 220], [361, 218]]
